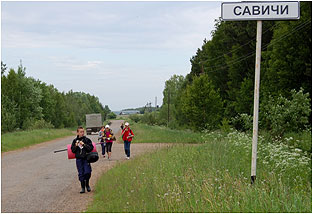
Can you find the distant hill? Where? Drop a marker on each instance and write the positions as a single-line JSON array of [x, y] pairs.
[[134, 109], [139, 110], [126, 112]]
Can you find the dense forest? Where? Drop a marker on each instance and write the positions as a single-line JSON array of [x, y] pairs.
[[27, 103], [219, 90]]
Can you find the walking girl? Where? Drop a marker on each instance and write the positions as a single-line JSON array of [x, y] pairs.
[[127, 135], [109, 138]]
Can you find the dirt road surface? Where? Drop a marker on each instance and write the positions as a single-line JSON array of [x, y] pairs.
[[38, 180]]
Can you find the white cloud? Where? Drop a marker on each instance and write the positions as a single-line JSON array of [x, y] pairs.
[[178, 27], [86, 66], [71, 63], [106, 46]]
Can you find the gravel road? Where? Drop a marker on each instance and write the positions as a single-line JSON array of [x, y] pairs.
[[38, 180]]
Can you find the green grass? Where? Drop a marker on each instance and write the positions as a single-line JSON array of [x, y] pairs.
[[301, 140], [16, 140], [122, 117], [210, 177], [158, 134]]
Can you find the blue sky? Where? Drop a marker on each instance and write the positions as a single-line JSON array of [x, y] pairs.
[[122, 52]]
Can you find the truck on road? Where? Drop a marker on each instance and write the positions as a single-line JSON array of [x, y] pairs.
[[93, 123]]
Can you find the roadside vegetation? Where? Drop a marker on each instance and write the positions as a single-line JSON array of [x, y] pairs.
[[280, 118], [160, 134], [20, 139], [210, 177], [220, 85], [26, 102], [216, 98], [33, 111], [218, 91]]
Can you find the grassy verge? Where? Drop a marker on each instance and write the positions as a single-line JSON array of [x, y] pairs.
[[16, 140], [211, 177], [301, 140], [158, 134]]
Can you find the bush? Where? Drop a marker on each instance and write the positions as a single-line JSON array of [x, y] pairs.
[[281, 115], [8, 121], [173, 125], [111, 115], [31, 124], [242, 122], [27, 124], [301, 140], [42, 124], [202, 105], [225, 127], [149, 118], [135, 117], [8, 114]]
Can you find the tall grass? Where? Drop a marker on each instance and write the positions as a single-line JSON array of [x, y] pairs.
[[16, 140], [301, 140], [158, 134], [210, 177]]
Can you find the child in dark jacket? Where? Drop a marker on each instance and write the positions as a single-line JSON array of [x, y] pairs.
[[82, 145]]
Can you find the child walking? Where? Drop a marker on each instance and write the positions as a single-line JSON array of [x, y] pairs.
[[109, 138], [127, 135], [82, 145], [102, 142]]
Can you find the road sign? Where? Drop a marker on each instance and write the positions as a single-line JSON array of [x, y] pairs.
[[235, 11]]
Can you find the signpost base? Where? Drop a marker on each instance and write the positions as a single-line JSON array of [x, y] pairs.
[[253, 178]]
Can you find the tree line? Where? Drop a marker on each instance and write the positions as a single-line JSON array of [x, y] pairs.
[[27, 103], [219, 90]]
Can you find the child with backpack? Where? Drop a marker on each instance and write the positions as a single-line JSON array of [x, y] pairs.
[[127, 135], [109, 138]]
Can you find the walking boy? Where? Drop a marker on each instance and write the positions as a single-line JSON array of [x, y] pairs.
[[80, 147]]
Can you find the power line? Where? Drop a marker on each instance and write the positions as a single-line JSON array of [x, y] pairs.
[[273, 41], [285, 35], [218, 57], [263, 48]]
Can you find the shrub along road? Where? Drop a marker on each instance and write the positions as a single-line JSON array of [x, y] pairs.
[[37, 180]]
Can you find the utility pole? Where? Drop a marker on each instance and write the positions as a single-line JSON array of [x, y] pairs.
[[144, 110], [168, 107], [202, 70]]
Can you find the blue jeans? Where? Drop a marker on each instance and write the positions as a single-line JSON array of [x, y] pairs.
[[84, 169], [103, 148], [127, 148]]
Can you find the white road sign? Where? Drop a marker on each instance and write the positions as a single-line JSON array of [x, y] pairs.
[[260, 10]]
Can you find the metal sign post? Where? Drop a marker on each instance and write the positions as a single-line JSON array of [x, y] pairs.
[[235, 11]]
